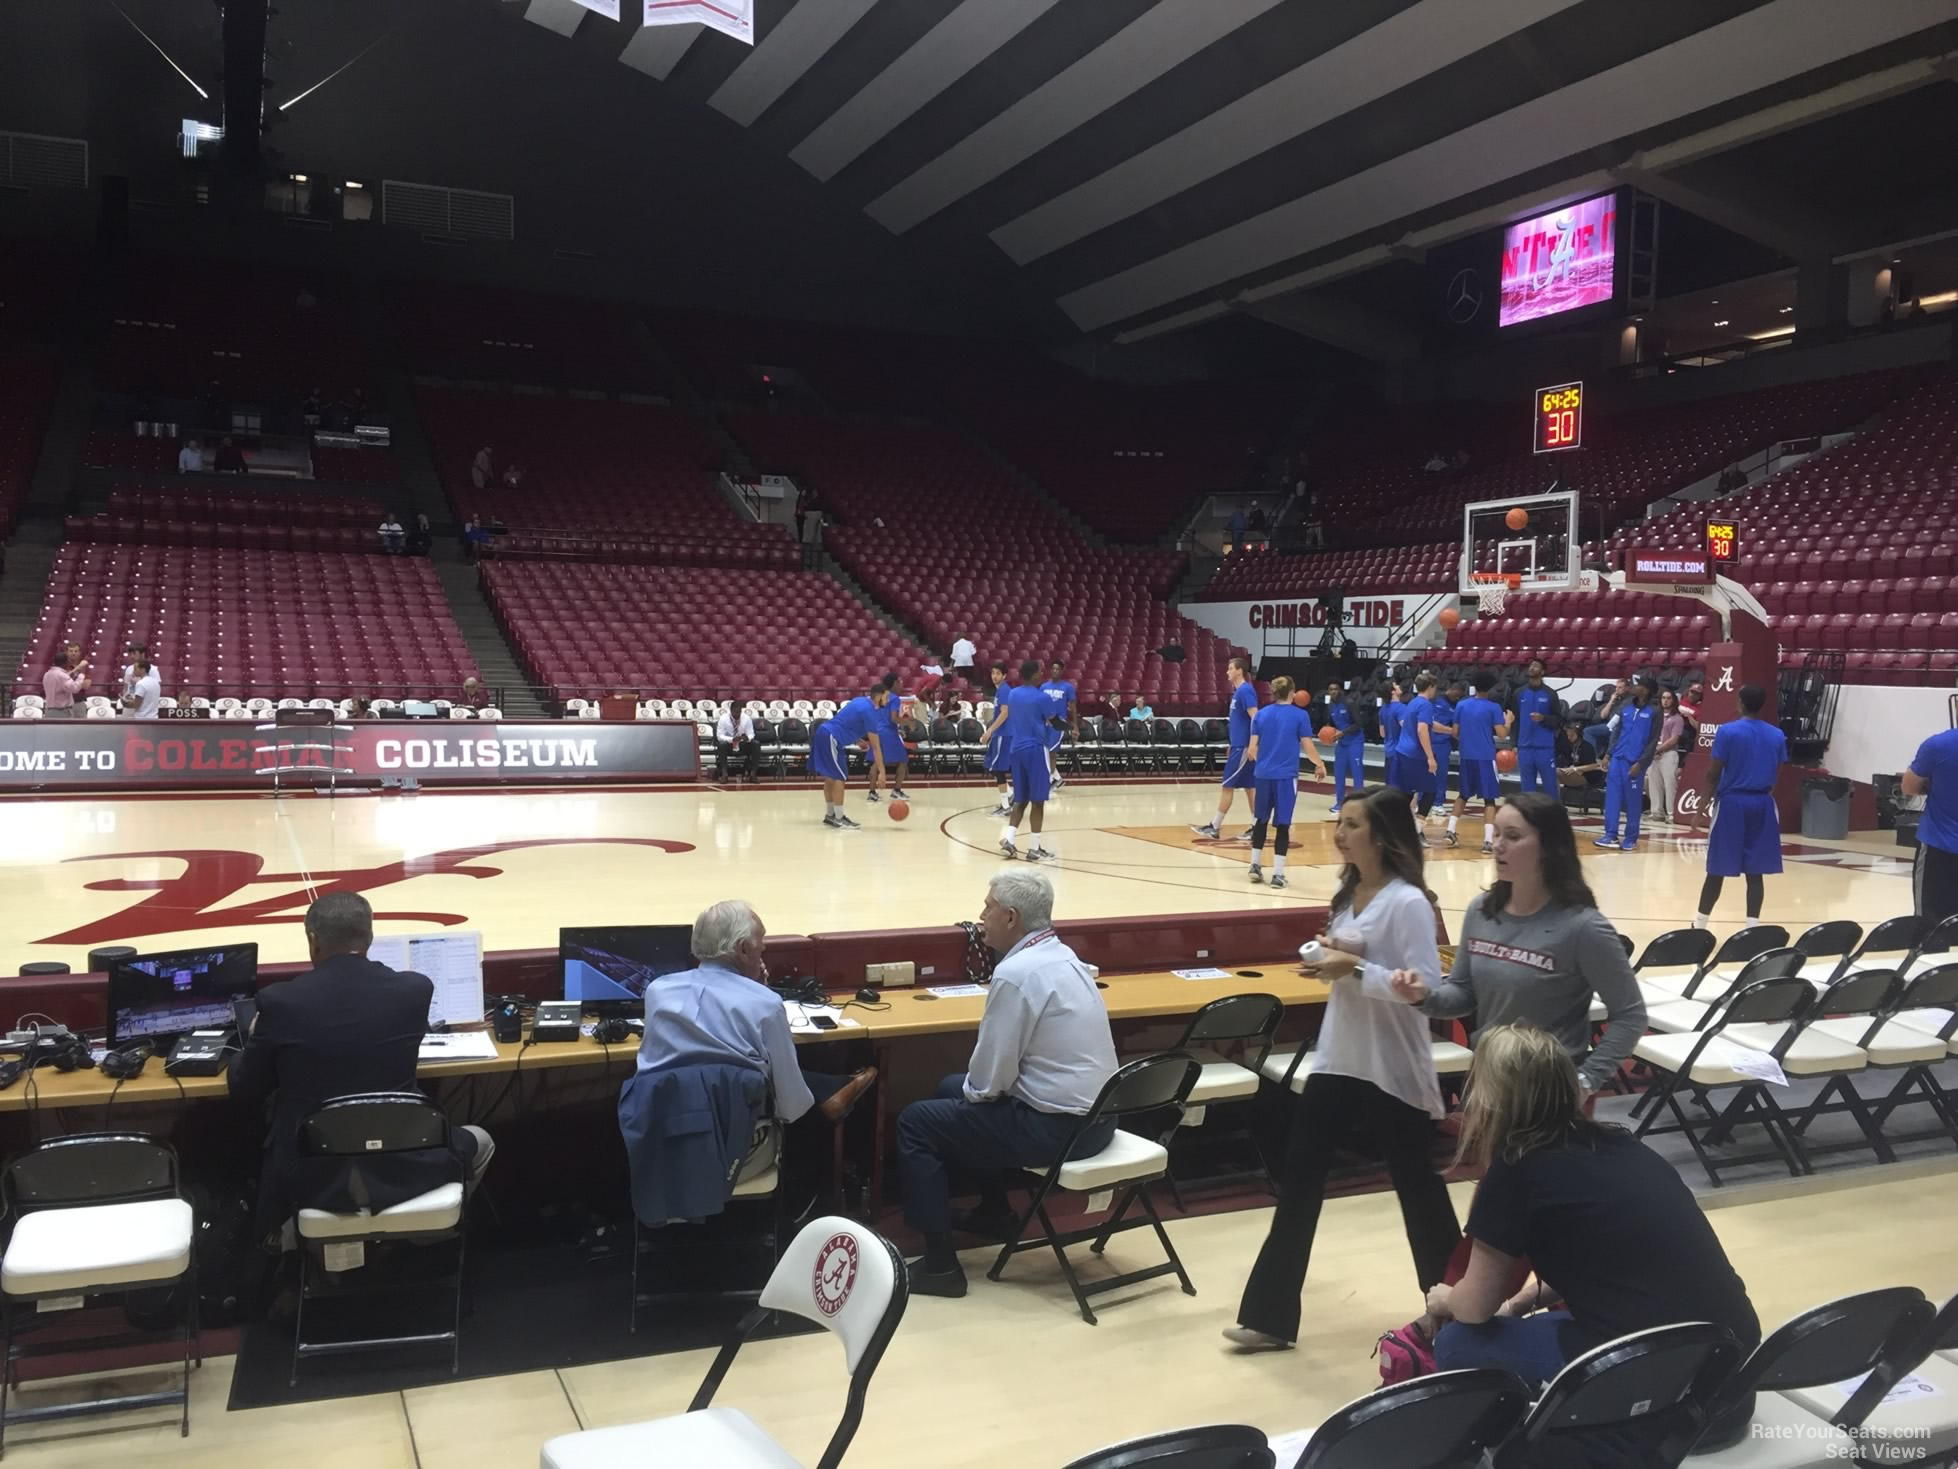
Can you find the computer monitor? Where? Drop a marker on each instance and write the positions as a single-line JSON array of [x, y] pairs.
[[607, 969], [159, 997]]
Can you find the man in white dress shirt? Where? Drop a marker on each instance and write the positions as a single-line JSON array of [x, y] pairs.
[[734, 740], [1044, 1052], [963, 656]]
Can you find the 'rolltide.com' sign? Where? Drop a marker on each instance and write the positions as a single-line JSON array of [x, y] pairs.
[[102, 752]]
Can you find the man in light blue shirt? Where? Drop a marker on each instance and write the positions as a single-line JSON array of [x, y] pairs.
[[1044, 1052]]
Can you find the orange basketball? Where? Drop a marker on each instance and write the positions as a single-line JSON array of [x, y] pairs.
[[1302, 698], [1517, 517], [1328, 735], [1450, 617], [899, 810], [1505, 761], [1515, 580]]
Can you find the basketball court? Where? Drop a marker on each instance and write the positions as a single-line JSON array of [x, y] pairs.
[[160, 873]]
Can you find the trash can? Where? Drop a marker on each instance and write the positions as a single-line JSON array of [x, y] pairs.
[[1825, 806]]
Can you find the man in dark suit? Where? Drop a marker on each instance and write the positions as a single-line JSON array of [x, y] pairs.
[[349, 1025]]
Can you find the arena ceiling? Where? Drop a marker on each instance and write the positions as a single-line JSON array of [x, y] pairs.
[[1147, 164]]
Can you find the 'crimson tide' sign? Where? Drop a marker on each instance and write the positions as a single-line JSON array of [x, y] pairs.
[[48, 754]]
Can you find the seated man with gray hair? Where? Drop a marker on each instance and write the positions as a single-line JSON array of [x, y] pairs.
[[1044, 1052], [709, 1022]]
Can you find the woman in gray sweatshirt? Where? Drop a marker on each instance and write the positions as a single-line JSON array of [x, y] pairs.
[[1534, 948]]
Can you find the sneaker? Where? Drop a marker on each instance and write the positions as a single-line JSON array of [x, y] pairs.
[[1278, 881], [1008, 849], [874, 798], [1257, 874], [1333, 809], [1446, 839], [847, 824], [1629, 847], [830, 820], [897, 793], [1208, 831], [1605, 842], [1488, 849], [1043, 854]]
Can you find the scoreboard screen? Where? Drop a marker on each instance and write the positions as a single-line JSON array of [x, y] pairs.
[[1557, 416], [1722, 542]]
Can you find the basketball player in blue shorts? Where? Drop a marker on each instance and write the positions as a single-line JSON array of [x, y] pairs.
[[1476, 721], [1748, 754], [1238, 775], [1349, 750], [897, 754], [997, 758], [1415, 748], [1022, 714], [1393, 714], [1279, 732], [1064, 715], [862, 718], [1537, 713], [1441, 736], [1636, 736]]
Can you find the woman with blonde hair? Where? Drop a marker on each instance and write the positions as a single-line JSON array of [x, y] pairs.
[[1370, 1079], [1617, 1240]]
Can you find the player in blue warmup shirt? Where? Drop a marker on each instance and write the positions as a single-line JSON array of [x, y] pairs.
[[1476, 721], [1063, 712], [1632, 745], [1441, 736], [1279, 732], [1934, 874], [1747, 756], [1537, 712], [1416, 744], [862, 718], [998, 760], [1349, 750], [1022, 713], [1393, 714], [897, 756], [1238, 775]]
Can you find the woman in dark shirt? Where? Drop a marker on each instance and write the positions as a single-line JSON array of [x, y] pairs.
[[1617, 1240]]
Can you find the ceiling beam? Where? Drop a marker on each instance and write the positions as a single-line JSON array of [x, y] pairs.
[[1341, 324], [1730, 208], [656, 50], [799, 40], [558, 16]]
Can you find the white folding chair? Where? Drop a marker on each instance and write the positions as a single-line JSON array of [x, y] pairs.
[[489, 711], [835, 1273]]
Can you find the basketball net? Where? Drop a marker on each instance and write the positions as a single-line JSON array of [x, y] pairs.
[[1491, 595]]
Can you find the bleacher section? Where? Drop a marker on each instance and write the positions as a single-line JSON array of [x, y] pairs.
[[1249, 575], [964, 549], [265, 522], [694, 632], [253, 623], [27, 382]]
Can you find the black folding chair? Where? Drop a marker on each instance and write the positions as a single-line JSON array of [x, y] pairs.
[[1641, 1399], [1774, 964], [1129, 1162], [1678, 948], [143, 1238], [1447, 1420], [1190, 746], [1824, 1345], [1217, 1446], [1739, 949], [1938, 938], [972, 743], [1836, 939], [1682, 1062], [1216, 743], [1932, 990], [364, 1129], [1898, 936], [1249, 1022], [1857, 1007], [1169, 748]]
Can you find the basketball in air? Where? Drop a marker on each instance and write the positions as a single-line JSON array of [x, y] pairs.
[[1505, 761], [1328, 735], [899, 810], [1450, 618], [1302, 698], [1517, 517]]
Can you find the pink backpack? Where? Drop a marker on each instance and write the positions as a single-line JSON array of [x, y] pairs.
[[1404, 1353]]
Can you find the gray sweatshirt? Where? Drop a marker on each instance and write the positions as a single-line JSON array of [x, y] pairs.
[[1543, 970]]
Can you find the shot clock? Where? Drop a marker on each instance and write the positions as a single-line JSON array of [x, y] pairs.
[[1558, 417], [1722, 543]]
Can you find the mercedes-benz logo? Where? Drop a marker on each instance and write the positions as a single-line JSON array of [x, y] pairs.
[[1463, 297]]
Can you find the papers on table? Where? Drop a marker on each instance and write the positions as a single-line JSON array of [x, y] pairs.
[[1201, 973], [955, 991], [802, 1018], [453, 960], [458, 1045]]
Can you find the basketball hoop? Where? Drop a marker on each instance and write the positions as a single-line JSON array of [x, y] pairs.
[[1491, 593]]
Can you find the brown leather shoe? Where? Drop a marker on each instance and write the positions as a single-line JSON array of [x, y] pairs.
[[837, 1105]]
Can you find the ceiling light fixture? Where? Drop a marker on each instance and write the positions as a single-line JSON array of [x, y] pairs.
[[161, 52], [298, 178], [1786, 309], [1723, 323]]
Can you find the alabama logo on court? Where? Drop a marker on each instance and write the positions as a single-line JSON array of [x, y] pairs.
[[836, 1273]]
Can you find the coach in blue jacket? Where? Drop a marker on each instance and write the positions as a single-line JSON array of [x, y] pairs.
[[717, 1045]]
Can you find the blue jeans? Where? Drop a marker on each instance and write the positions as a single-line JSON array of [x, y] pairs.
[[1598, 737], [1526, 1345], [1537, 769], [1622, 791], [1347, 767], [996, 1139]]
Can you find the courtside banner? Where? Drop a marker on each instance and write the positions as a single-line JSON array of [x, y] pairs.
[[46, 754]]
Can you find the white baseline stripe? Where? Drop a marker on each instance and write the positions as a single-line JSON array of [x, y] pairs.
[[799, 40], [940, 57], [1151, 45], [1420, 40], [1765, 46]]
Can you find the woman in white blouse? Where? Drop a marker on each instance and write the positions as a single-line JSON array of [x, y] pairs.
[[1371, 1078]]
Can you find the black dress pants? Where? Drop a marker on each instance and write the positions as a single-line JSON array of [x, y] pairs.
[[1332, 1112]]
